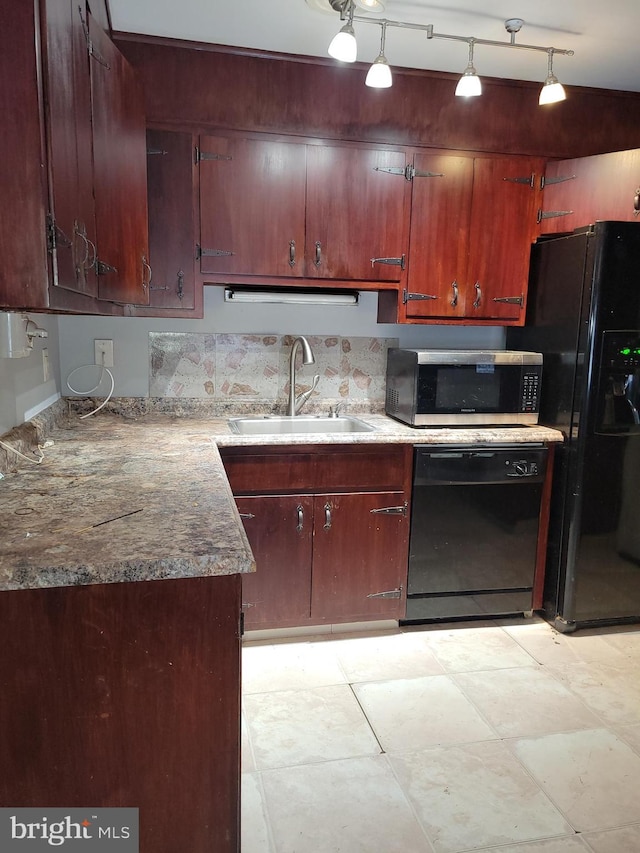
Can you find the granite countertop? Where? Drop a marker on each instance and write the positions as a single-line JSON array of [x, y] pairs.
[[122, 498]]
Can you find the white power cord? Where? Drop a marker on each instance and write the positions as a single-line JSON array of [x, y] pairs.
[[41, 448], [103, 370]]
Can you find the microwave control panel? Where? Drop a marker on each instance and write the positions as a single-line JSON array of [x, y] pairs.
[[530, 390]]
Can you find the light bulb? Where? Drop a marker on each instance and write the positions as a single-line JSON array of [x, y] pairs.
[[552, 92], [379, 75], [344, 46], [469, 85]]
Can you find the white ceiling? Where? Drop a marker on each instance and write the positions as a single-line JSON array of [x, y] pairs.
[[604, 35]]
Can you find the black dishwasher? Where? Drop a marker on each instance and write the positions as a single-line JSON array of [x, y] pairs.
[[474, 530]]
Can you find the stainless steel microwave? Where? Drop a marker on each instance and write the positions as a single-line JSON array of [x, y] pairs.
[[463, 388]]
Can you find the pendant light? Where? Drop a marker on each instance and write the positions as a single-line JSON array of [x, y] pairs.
[[552, 91], [379, 75], [469, 84], [343, 45]]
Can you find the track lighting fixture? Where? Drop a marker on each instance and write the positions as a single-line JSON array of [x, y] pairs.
[[379, 75], [551, 91], [344, 48], [469, 84]]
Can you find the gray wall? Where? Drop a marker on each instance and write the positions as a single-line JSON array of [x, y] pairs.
[[131, 349], [23, 391]]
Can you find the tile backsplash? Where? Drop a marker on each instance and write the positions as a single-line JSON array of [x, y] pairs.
[[255, 368]]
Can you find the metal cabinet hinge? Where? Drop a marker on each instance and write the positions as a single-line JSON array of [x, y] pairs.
[[93, 53], [559, 180], [409, 172], [211, 253], [210, 155], [511, 300], [530, 180], [391, 510], [551, 214], [399, 262], [246, 515], [151, 151], [103, 268], [407, 296], [56, 238], [390, 593]]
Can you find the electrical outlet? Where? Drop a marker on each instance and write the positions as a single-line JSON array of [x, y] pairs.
[[45, 365], [104, 353]]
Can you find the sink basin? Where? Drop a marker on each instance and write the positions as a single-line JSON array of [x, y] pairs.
[[275, 425]]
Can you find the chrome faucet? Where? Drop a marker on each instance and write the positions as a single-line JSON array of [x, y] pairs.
[[294, 404]]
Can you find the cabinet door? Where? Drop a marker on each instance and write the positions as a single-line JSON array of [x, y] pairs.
[[170, 169], [440, 218], [359, 557], [71, 204], [503, 227], [580, 191], [23, 247], [120, 173], [356, 213], [279, 529], [252, 199]]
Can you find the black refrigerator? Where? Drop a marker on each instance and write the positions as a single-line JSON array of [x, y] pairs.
[[584, 316]]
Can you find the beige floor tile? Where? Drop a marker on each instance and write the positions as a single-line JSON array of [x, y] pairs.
[[477, 648], [248, 764], [567, 844], [289, 666], [591, 776], [475, 796], [546, 645], [412, 713], [525, 701], [624, 638], [631, 735], [307, 726], [354, 806], [254, 827], [624, 840], [377, 658], [610, 690]]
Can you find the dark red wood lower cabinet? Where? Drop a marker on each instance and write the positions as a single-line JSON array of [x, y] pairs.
[[126, 695]]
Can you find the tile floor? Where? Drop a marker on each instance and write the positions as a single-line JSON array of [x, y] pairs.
[[495, 736]]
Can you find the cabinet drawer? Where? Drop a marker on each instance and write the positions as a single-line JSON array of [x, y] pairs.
[[281, 470]]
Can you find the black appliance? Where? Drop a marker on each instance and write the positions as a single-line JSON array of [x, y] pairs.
[[463, 387], [474, 530], [584, 316]]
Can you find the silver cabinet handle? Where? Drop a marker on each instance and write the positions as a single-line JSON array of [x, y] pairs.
[[318, 258], [478, 299], [300, 512], [180, 287], [292, 253], [327, 516], [146, 274], [454, 299], [246, 515]]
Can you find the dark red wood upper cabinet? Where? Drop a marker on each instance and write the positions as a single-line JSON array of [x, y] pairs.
[[506, 196], [23, 245], [293, 211], [69, 135], [172, 226], [438, 248], [578, 192], [252, 201], [472, 224], [356, 213], [120, 174]]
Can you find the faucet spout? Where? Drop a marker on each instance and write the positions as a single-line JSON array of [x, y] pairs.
[[294, 404]]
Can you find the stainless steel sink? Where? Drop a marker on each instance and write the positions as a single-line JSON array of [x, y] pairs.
[[276, 425]]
